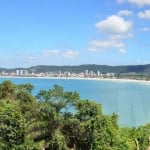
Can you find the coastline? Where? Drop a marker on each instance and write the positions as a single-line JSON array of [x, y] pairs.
[[78, 78]]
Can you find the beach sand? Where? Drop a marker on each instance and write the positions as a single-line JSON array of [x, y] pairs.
[[78, 78]]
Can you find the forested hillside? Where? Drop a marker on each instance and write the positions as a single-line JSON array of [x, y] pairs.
[[142, 69], [55, 119]]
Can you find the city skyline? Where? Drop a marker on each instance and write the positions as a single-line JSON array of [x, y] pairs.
[[49, 32]]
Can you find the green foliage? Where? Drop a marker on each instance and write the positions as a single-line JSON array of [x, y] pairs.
[[60, 120], [27, 145], [26, 87], [12, 125], [7, 90], [87, 110], [58, 142]]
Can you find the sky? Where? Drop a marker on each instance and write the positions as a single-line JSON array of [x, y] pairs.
[[74, 32]]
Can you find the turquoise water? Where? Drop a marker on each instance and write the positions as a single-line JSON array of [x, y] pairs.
[[131, 101]]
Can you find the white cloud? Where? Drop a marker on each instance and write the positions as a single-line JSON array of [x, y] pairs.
[[137, 2], [93, 48], [144, 15], [121, 36], [70, 53], [115, 29], [105, 44], [140, 2], [61, 53], [48, 53], [122, 51], [145, 29], [101, 45], [125, 13], [114, 25]]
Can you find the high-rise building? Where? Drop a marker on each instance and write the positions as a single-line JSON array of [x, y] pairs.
[[86, 72], [21, 72]]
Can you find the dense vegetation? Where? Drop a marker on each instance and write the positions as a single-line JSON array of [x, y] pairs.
[[55, 119], [140, 69]]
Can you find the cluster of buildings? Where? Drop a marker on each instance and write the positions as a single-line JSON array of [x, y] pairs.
[[18, 72], [85, 74]]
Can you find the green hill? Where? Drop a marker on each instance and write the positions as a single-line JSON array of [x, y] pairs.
[[140, 69]]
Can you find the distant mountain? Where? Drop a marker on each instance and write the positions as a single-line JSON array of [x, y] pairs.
[[140, 69]]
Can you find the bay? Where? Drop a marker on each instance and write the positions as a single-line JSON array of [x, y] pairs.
[[130, 100]]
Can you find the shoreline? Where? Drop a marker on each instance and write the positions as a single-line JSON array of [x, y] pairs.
[[77, 78]]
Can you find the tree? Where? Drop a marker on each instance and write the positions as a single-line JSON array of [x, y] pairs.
[[54, 104], [59, 120], [7, 90], [12, 125], [26, 87], [89, 129]]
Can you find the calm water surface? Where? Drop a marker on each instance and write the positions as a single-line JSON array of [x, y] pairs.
[[131, 101]]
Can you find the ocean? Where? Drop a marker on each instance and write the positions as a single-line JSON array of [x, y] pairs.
[[129, 100]]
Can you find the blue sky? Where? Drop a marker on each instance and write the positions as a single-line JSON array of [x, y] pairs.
[[74, 32]]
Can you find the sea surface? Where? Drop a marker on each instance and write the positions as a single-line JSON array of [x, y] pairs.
[[130, 100]]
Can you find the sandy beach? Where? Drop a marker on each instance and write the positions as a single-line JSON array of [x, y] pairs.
[[77, 78]]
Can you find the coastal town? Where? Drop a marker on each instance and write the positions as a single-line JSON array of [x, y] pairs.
[[86, 74], [81, 75]]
